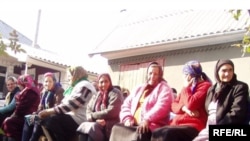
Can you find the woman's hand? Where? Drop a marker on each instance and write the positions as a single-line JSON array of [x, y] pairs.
[[143, 127], [194, 113], [45, 113], [188, 80], [129, 123], [32, 118], [102, 122]]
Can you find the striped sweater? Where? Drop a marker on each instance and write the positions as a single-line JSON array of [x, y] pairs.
[[75, 104]]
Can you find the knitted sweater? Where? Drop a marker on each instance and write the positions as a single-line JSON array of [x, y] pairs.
[[75, 104]]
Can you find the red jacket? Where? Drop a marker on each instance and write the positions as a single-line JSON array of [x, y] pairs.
[[194, 101]]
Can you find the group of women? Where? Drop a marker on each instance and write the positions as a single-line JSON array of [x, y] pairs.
[[102, 114], [145, 113]]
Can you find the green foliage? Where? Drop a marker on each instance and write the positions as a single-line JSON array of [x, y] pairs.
[[13, 45], [236, 14], [245, 44]]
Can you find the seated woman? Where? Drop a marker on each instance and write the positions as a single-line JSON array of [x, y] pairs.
[[52, 94], [145, 109], [62, 120], [102, 111], [10, 103], [188, 107], [27, 102], [227, 100]]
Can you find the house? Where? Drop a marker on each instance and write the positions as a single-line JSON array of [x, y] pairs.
[[173, 37], [36, 61]]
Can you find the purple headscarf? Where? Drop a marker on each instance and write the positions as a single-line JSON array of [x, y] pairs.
[[194, 69]]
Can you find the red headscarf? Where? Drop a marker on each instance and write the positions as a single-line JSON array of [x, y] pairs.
[[102, 99], [27, 82]]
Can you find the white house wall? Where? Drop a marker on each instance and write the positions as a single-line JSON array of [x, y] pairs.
[[174, 61]]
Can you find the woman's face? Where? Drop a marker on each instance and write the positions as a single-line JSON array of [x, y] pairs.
[[153, 75], [48, 83], [11, 85], [69, 76], [187, 77], [225, 73], [103, 83]]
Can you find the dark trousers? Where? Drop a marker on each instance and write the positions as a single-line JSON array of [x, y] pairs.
[[123, 133], [61, 127], [174, 133], [31, 132], [84, 137]]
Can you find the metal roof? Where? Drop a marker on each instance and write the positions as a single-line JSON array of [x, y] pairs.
[[143, 29], [5, 31], [34, 52]]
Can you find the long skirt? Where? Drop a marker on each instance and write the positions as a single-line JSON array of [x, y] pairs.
[[13, 127], [124, 133], [93, 129], [61, 127], [174, 133]]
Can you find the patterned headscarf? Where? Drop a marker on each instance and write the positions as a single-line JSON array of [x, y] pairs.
[[194, 69]]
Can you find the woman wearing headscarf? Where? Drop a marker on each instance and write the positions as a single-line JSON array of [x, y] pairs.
[[27, 102], [188, 107], [227, 100], [145, 109], [51, 95], [62, 120], [102, 111]]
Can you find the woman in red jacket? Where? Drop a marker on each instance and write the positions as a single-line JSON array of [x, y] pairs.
[[27, 102], [188, 106]]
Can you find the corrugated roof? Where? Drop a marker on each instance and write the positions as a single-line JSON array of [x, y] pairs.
[[33, 52], [142, 29], [37, 53], [46, 56], [5, 31]]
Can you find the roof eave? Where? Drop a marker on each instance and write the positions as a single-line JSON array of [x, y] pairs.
[[174, 45]]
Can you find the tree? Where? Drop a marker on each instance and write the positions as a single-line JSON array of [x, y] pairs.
[[245, 44], [13, 44]]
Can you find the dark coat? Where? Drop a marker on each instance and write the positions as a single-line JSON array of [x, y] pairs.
[[232, 105], [110, 114]]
